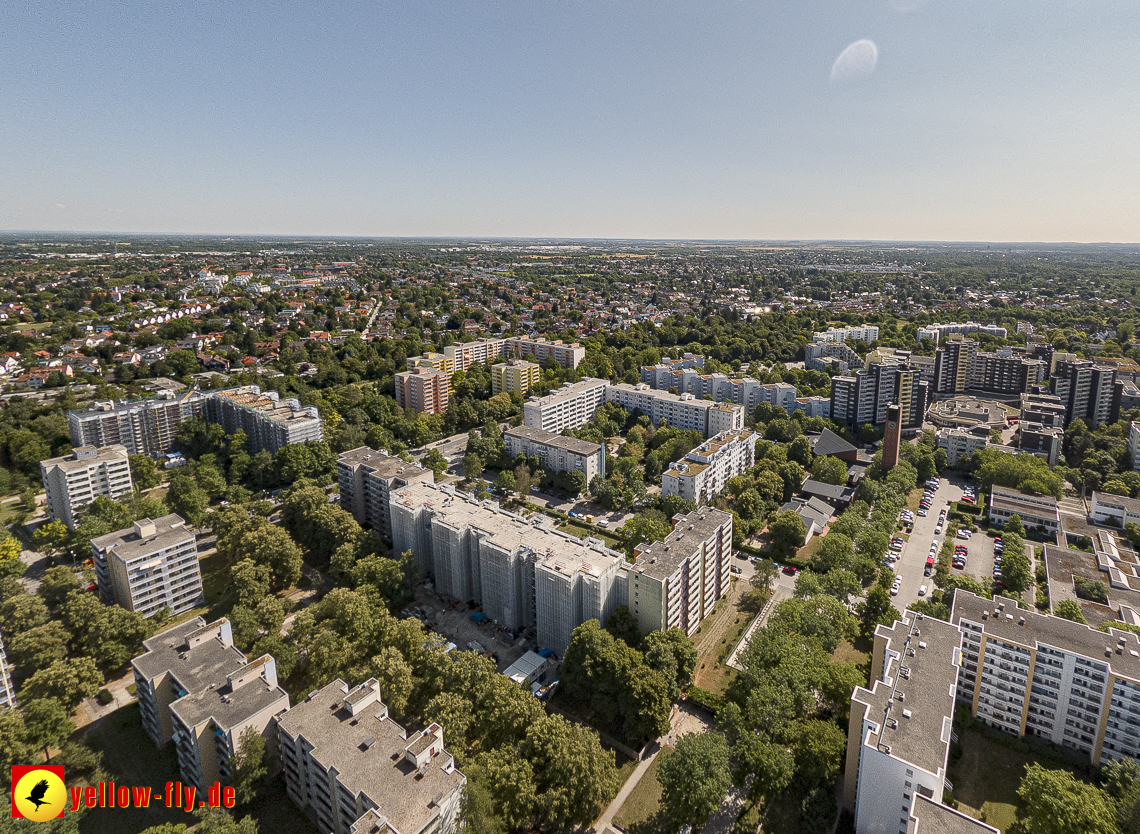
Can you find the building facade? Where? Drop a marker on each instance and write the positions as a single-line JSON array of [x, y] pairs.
[[938, 332], [196, 689], [681, 411], [1087, 390], [676, 582], [1034, 510], [1041, 440], [515, 377], [1114, 509], [704, 471], [7, 691], [569, 407], [353, 770], [857, 332], [954, 366], [523, 573], [269, 422], [1005, 374], [962, 443], [149, 567], [75, 480], [423, 389], [143, 427], [367, 479], [555, 452]]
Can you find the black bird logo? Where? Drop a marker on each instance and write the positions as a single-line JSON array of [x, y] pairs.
[[37, 795]]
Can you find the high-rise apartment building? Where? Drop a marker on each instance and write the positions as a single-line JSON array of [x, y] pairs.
[[1006, 374], [899, 730], [514, 377], [676, 582], [367, 479], [353, 770], [149, 567], [705, 471], [75, 480], [1087, 391], [1043, 441], [423, 389], [197, 690], [269, 422], [1134, 445], [568, 407], [555, 452], [144, 427], [541, 350], [954, 366], [1043, 408], [523, 574], [864, 397]]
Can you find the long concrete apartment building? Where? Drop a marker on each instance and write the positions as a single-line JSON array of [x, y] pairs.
[[704, 471], [555, 452], [367, 479], [149, 567], [899, 730], [856, 332], [353, 770], [938, 332], [269, 422], [73, 481], [568, 407], [676, 582], [144, 427], [523, 574], [682, 411], [197, 689]]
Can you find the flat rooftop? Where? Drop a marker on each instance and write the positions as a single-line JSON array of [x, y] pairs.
[[169, 531], [383, 464], [1002, 619], [549, 438], [569, 391], [659, 560], [914, 706], [226, 706], [82, 457], [368, 754], [928, 816], [195, 668], [560, 551]]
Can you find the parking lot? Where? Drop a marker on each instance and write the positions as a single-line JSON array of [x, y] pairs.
[[912, 562], [979, 556]]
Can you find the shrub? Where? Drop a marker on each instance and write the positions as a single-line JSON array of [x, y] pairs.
[[104, 697]]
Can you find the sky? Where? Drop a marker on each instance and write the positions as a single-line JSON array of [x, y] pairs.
[[994, 120]]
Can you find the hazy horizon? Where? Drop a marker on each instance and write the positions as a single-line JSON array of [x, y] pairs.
[[872, 121]]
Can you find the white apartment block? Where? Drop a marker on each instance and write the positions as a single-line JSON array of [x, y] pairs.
[[1034, 510], [704, 471], [813, 406], [566, 355], [1115, 509], [816, 352], [353, 770], [938, 332], [555, 452], [367, 479], [962, 442], [569, 407], [144, 427], [148, 567], [682, 411], [650, 374], [1029, 673], [74, 481], [898, 739], [746, 391], [523, 573], [7, 691], [676, 582], [196, 689], [856, 332], [270, 423]]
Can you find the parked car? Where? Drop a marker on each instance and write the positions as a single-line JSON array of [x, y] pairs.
[[922, 590]]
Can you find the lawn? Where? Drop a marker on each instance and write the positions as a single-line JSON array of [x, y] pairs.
[[847, 652], [583, 532], [130, 758], [641, 812], [989, 772]]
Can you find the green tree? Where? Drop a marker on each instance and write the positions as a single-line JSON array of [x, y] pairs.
[[47, 724], [472, 466], [644, 527], [818, 749], [250, 765], [66, 681], [505, 483], [188, 499], [835, 551], [37, 648], [788, 532], [695, 777], [1070, 610], [143, 472], [1053, 802], [397, 679], [829, 470], [434, 461], [623, 625], [251, 582], [875, 610], [1015, 567], [1013, 525], [574, 777], [57, 583]]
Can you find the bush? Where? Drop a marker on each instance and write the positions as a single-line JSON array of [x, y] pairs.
[[104, 697], [133, 689]]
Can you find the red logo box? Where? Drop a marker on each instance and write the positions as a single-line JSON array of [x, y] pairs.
[[20, 771]]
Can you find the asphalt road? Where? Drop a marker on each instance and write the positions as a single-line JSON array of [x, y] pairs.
[[913, 561]]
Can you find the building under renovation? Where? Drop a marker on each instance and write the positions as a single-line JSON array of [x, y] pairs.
[[523, 573]]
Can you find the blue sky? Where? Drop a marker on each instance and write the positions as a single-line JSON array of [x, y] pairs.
[[994, 120]]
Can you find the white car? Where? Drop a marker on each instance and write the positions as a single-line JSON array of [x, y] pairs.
[[938, 530], [922, 513], [922, 590], [964, 534]]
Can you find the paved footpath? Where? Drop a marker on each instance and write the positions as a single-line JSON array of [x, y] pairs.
[[779, 593]]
